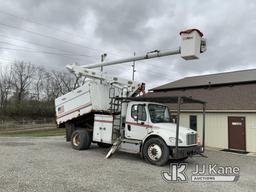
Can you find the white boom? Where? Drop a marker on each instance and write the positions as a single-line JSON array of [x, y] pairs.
[[192, 44], [149, 55]]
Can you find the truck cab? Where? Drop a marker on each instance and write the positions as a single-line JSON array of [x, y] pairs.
[[151, 124], [145, 119]]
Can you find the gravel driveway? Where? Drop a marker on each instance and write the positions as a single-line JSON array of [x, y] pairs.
[[49, 164]]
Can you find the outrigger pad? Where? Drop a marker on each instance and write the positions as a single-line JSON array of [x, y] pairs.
[[113, 148]]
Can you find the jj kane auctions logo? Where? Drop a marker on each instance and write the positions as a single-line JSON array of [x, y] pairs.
[[201, 173]]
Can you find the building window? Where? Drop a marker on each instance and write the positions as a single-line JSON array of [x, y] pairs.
[[193, 122]]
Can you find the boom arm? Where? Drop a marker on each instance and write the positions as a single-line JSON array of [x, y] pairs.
[[130, 88], [192, 44], [149, 55]]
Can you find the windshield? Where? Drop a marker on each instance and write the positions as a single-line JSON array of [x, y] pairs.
[[159, 113]]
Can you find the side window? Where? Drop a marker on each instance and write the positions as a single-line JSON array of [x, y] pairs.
[[139, 113]]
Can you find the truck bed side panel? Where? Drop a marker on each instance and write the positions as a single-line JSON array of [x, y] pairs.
[[85, 99]]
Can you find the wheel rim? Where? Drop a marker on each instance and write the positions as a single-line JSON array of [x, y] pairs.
[[154, 152], [76, 140]]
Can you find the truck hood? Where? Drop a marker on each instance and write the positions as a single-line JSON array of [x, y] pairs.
[[171, 127]]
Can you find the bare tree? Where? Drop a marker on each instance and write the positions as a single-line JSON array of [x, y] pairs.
[[51, 87], [5, 86], [22, 75], [67, 82], [38, 83], [31, 90]]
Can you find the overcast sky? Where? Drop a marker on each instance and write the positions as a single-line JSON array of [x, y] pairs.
[[54, 33]]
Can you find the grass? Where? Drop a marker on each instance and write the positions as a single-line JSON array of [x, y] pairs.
[[39, 133]]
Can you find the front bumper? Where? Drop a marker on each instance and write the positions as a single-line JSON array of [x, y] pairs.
[[186, 151]]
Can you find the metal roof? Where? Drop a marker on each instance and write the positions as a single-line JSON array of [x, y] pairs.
[[163, 99], [236, 97], [234, 77]]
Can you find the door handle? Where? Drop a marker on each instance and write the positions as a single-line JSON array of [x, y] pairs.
[[129, 127]]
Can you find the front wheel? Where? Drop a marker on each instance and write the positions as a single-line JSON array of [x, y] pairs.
[[156, 152], [80, 139]]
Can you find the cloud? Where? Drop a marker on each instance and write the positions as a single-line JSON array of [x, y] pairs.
[[121, 27]]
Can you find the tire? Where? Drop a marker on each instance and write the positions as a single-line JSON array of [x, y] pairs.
[[156, 152], [68, 133], [69, 129], [80, 139], [104, 145]]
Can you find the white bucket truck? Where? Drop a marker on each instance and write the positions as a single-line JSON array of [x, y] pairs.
[[109, 111]]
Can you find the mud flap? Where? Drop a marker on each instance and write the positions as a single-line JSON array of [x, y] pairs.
[[113, 148]]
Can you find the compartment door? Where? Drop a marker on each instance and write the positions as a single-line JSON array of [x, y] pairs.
[[103, 128]]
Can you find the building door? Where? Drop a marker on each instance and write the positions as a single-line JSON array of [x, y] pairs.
[[193, 122], [236, 133]]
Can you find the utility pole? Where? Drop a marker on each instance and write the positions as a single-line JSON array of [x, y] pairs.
[[133, 68], [103, 56]]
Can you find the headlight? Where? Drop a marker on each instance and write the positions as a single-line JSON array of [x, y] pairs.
[[173, 140]]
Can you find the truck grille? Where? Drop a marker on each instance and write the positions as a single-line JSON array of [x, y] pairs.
[[191, 138]]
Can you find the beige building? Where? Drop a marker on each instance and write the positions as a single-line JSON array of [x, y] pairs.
[[230, 109]]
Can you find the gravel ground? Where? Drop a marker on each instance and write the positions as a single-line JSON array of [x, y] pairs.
[[49, 164]]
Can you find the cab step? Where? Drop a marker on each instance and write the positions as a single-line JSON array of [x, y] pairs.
[[130, 146], [134, 141]]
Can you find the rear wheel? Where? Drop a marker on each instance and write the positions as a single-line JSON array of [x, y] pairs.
[[156, 152], [80, 139]]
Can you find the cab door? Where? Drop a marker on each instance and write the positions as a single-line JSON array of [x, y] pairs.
[[136, 126]]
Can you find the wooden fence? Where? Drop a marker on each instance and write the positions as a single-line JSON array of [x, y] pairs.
[[27, 125]]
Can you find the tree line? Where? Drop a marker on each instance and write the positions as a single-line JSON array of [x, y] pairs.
[[27, 90]]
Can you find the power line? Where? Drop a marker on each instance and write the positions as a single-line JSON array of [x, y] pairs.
[[48, 36], [36, 51], [46, 26], [38, 23], [40, 45], [8, 57], [48, 52]]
